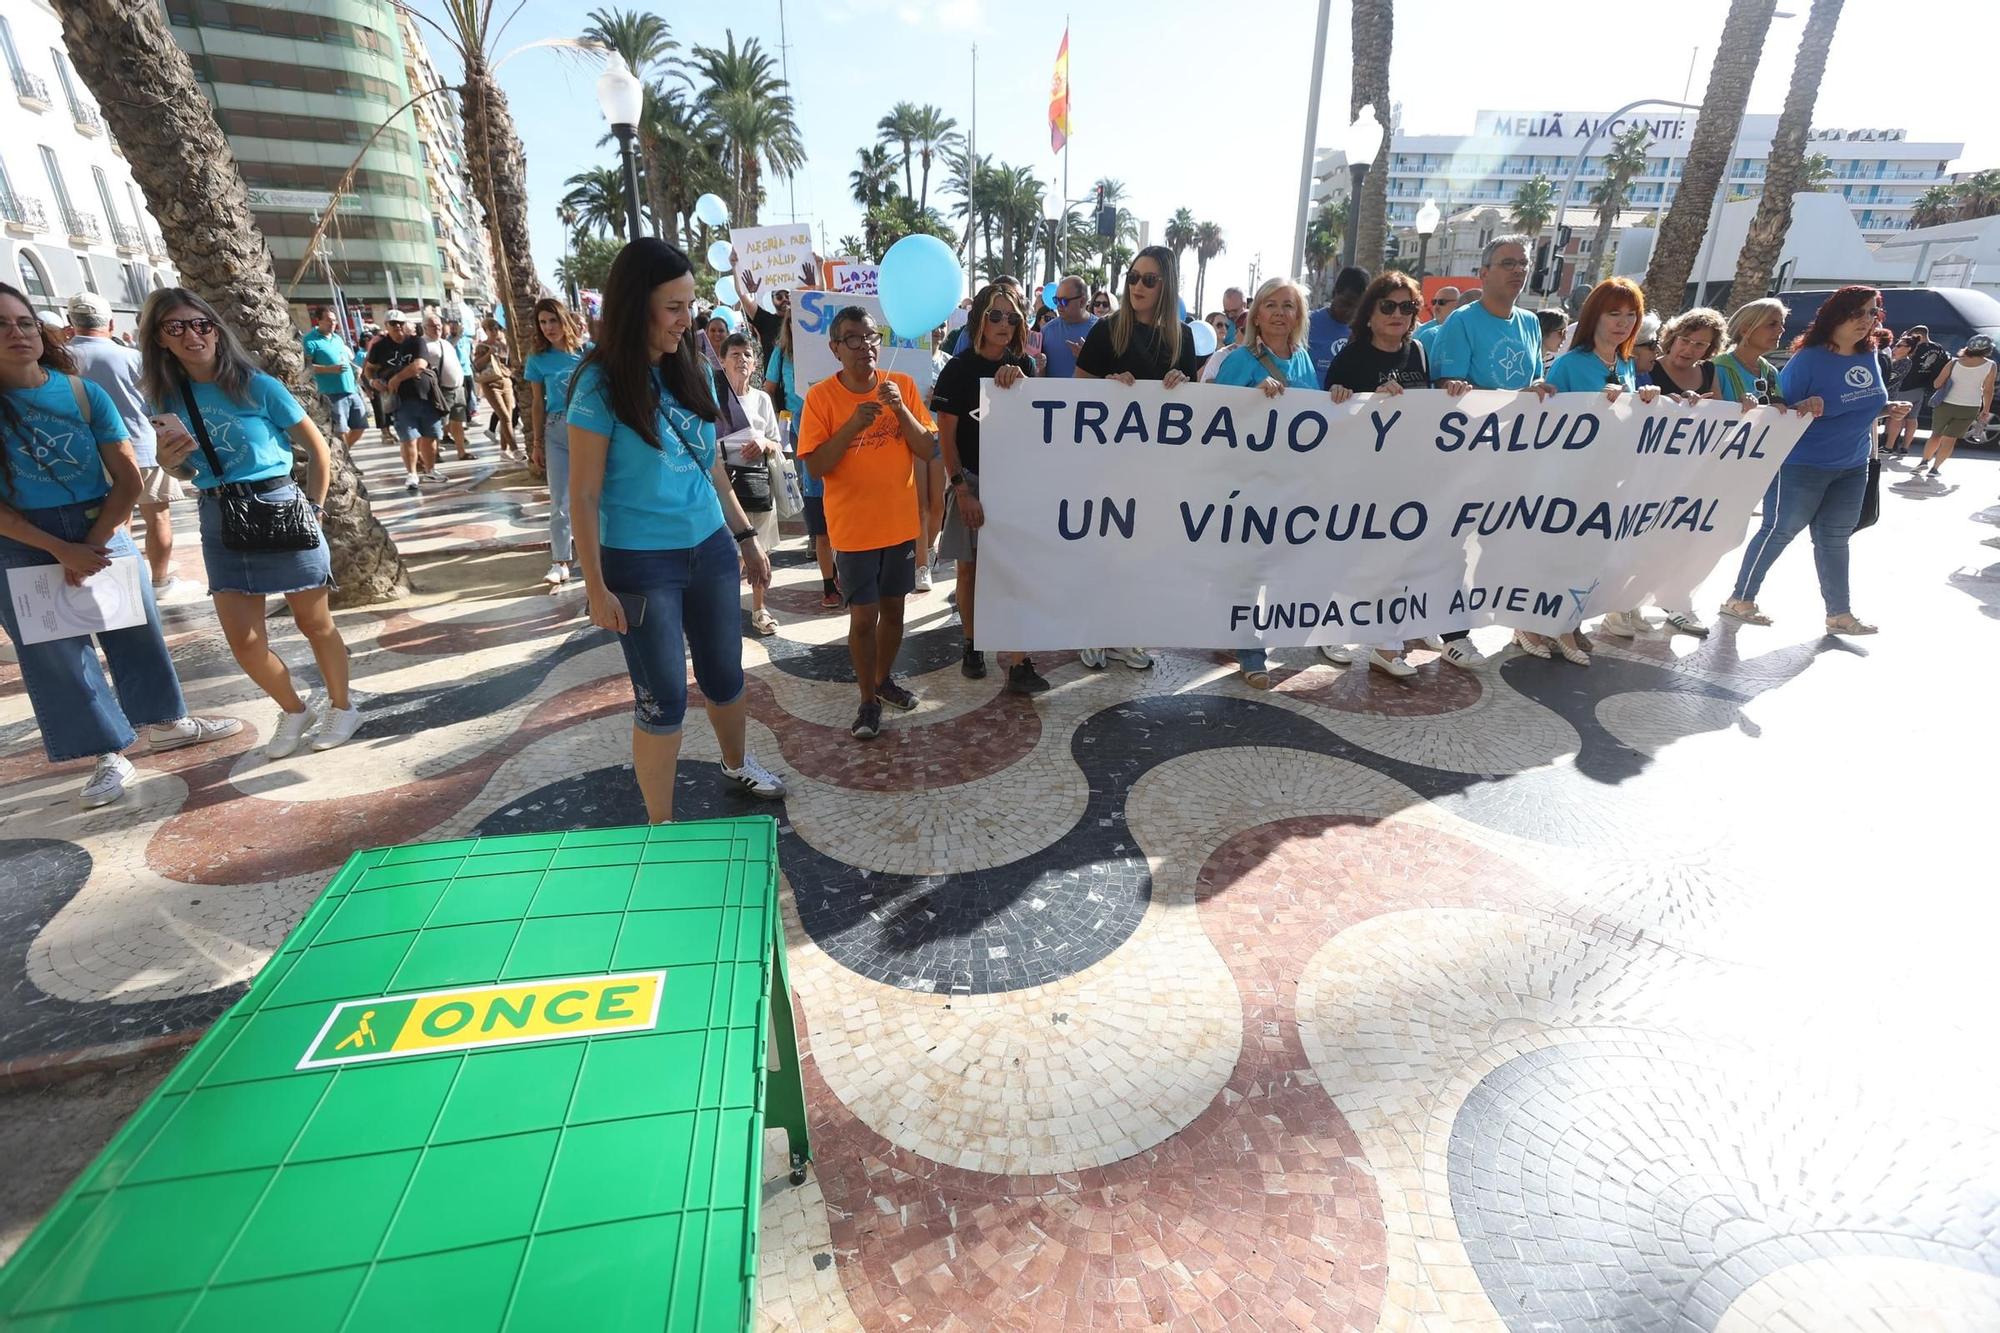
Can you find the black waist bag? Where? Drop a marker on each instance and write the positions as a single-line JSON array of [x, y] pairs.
[[752, 484], [248, 523]]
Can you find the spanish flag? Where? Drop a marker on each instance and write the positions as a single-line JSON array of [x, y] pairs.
[[1059, 98]]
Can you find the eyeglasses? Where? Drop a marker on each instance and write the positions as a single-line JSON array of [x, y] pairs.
[[1511, 265], [22, 326], [861, 342], [1002, 317], [1386, 307], [1146, 280], [174, 328]]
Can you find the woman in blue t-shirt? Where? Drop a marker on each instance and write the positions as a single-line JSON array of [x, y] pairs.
[[198, 379], [555, 350], [68, 480], [658, 526], [1833, 378]]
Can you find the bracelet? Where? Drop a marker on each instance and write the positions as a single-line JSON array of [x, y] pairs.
[[746, 534]]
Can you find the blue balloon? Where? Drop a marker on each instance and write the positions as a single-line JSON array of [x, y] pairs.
[[726, 315], [1184, 317], [721, 256], [1049, 295], [725, 290], [710, 209], [1203, 334], [918, 283]]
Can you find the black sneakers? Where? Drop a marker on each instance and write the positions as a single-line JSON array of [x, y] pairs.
[[972, 664], [868, 722], [894, 695], [1022, 678]]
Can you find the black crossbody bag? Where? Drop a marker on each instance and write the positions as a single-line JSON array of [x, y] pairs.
[[248, 523]]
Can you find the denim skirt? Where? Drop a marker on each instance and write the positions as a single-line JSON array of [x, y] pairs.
[[263, 573]]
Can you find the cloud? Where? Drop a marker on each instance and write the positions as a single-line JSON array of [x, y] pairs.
[[940, 16]]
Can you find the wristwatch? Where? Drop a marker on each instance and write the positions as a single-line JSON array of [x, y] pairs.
[[745, 535], [956, 479]]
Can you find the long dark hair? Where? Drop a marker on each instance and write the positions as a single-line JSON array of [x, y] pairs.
[[572, 327], [1842, 306], [1166, 314], [55, 359], [640, 267]]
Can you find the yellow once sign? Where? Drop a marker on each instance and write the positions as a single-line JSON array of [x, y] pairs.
[[425, 1022]]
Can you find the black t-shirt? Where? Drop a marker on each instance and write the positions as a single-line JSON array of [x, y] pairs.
[[1704, 376], [1925, 363], [1364, 367], [957, 392], [1145, 358], [388, 357]]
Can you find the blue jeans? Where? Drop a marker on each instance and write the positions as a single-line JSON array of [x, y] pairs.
[[678, 604], [555, 455], [81, 715], [1828, 500], [1250, 659]]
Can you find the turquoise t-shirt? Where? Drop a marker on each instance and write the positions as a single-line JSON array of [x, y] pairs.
[[1579, 371], [553, 370], [653, 499], [1241, 367], [249, 437], [330, 349], [53, 456], [1427, 336], [1486, 351]]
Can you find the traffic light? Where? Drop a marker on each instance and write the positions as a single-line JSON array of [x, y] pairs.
[[1107, 221], [1562, 239]]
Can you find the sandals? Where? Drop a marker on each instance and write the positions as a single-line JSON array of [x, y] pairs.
[[1847, 624], [1257, 680], [1532, 644], [1736, 608]]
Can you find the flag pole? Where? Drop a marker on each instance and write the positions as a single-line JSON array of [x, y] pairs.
[[1069, 102], [972, 183]]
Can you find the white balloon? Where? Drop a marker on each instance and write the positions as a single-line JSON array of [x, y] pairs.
[[721, 256], [725, 290], [710, 209], [1204, 337], [767, 300]]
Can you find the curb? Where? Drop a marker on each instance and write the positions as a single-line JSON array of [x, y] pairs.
[[31, 1071]]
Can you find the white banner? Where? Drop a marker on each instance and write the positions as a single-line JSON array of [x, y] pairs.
[[780, 256], [812, 316], [1205, 517]]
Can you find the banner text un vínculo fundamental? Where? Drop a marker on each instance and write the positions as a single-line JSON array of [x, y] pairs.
[[1209, 517]]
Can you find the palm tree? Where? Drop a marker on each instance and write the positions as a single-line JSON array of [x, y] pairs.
[[855, 246], [1790, 168], [1180, 237], [1736, 56], [874, 178], [1208, 244], [1534, 204], [934, 132], [750, 105], [1978, 195], [643, 39], [1116, 257], [597, 196], [964, 180], [899, 129], [1374, 30], [1323, 237], [184, 166], [684, 157], [1936, 205], [1625, 159], [1818, 171]]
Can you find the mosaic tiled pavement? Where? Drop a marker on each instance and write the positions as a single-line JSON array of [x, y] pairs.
[[1651, 996]]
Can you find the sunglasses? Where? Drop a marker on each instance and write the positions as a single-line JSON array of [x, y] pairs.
[[1002, 317], [1146, 280], [174, 328], [1440, 302], [1068, 300], [23, 327], [1396, 308]]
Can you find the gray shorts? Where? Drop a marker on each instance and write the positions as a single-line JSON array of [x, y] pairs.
[[955, 540], [454, 403], [866, 577]]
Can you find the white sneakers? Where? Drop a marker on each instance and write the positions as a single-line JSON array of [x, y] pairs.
[[754, 779], [923, 576], [1097, 658], [410, 483], [1461, 654], [558, 574], [107, 781], [292, 728], [338, 728], [190, 731]]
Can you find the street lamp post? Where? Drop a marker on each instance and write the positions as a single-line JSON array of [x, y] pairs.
[[621, 97], [1428, 218], [567, 216], [1364, 140]]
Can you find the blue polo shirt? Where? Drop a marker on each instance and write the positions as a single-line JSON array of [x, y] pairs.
[[53, 456], [1325, 336], [653, 499], [1489, 352]]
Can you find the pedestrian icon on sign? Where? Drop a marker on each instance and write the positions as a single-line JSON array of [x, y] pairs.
[[363, 1035]]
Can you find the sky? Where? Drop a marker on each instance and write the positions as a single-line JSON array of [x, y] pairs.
[[1198, 104]]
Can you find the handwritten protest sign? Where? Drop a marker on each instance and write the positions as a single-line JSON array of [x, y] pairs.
[[780, 256], [851, 275], [1213, 517], [812, 315]]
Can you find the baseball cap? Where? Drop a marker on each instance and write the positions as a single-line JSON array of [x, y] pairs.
[[1979, 345], [396, 317], [91, 307]]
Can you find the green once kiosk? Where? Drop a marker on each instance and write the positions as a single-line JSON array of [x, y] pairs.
[[505, 1083]]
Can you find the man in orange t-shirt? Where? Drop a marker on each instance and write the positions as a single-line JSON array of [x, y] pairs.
[[863, 430]]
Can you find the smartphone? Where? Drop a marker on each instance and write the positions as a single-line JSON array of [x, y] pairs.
[[166, 421], [635, 608]]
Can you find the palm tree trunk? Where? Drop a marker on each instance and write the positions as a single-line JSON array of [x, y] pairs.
[[753, 182], [188, 173], [1200, 278], [1736, 56], [1606, 214], [1374, 32], [499, 177], [1785, 173]]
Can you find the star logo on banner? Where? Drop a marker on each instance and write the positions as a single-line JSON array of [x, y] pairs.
[[50, 450], [1582, 597]]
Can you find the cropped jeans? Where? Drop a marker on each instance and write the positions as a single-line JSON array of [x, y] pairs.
[[80, 713], [555, 456], [1827, 500]]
